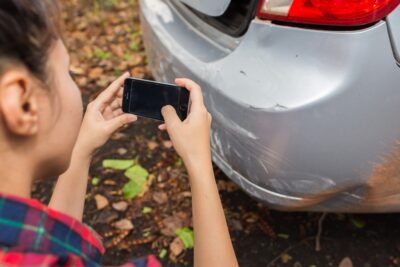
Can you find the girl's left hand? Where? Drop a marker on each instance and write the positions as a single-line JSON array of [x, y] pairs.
[[103, 117]]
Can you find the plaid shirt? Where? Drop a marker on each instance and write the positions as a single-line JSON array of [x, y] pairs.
[[31, 234]]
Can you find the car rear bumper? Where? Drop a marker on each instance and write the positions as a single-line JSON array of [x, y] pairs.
[[304, 119]]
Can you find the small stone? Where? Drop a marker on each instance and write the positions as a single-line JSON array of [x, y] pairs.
[[120, 206], [124, 224]]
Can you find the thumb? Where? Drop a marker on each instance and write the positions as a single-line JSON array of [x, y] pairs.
[[171, 118], [117, 122]]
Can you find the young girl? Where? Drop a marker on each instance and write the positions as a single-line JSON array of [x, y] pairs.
[[42, 135]]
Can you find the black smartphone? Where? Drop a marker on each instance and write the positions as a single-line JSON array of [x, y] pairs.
[[146, 98]]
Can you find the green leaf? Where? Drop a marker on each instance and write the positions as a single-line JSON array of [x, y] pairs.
[[138, 178], [99, 53], [146, 234], [163, 253], [95, 181], [134, 46], [132, 189], [146, 210], [187, 236], [178, 163], [118, 164], [284, 236], [137, 172], [358, 223]]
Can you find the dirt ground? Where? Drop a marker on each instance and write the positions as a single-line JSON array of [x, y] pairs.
[[104, 40]]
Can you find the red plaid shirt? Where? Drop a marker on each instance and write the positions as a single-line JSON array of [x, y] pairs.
[[31, 234]]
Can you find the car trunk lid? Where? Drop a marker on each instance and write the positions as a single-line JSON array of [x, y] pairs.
[[231, 17], [208, 7]]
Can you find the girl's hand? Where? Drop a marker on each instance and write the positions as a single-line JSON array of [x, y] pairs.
[[191, 138], [103, 117]]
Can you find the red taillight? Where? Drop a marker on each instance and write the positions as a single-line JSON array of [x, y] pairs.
[[326, 12]]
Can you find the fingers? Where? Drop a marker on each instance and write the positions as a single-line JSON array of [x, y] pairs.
[[171, 118], [119, 121], [109, 94], [116, 104], [196, 95], [162, 127]]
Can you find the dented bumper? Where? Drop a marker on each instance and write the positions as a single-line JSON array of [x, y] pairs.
[[302, 119]]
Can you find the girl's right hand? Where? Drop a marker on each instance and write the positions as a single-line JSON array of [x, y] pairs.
[[191, 138]]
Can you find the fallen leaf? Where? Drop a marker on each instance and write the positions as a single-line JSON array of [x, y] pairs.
[[171, 224], [138, 72], [101, 201], [138, 178], [162, 176], [120, 206], [176, 247], [346, 262], [187, 236], [160, 197], [235, 225], [122, 151], [152, 145], [107, 216], [118, 164], [283, 236], [95, 73], [136, 171], [95, 181], [109, 182], [124, 224], [133, 188], [167, 144], [358, 223], [286, 258], [162, 253], [146, 210]]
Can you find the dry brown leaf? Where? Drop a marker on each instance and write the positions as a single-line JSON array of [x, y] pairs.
[[95, 73], [120, 206], [167, 144], [101, 201], [162, 175], [176, 247], [124, 224], [152, 145], [171, 224], [160, 197], [138, 72], [346, 262], [109, 182], [122, 151]]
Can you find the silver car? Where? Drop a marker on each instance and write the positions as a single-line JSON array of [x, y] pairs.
[[305, 95]]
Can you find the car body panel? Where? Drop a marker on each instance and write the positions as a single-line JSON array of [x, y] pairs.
[[303, 118], [209, 7], [393, 21]]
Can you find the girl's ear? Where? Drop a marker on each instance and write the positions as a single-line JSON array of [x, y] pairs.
[[18, 103]]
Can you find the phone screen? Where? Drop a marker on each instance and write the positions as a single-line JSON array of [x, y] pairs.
[[146, 98]]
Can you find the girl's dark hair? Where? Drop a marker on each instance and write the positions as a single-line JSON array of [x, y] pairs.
[[28, 29]]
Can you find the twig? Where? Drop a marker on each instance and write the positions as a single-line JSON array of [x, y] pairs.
[[318, 236]]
